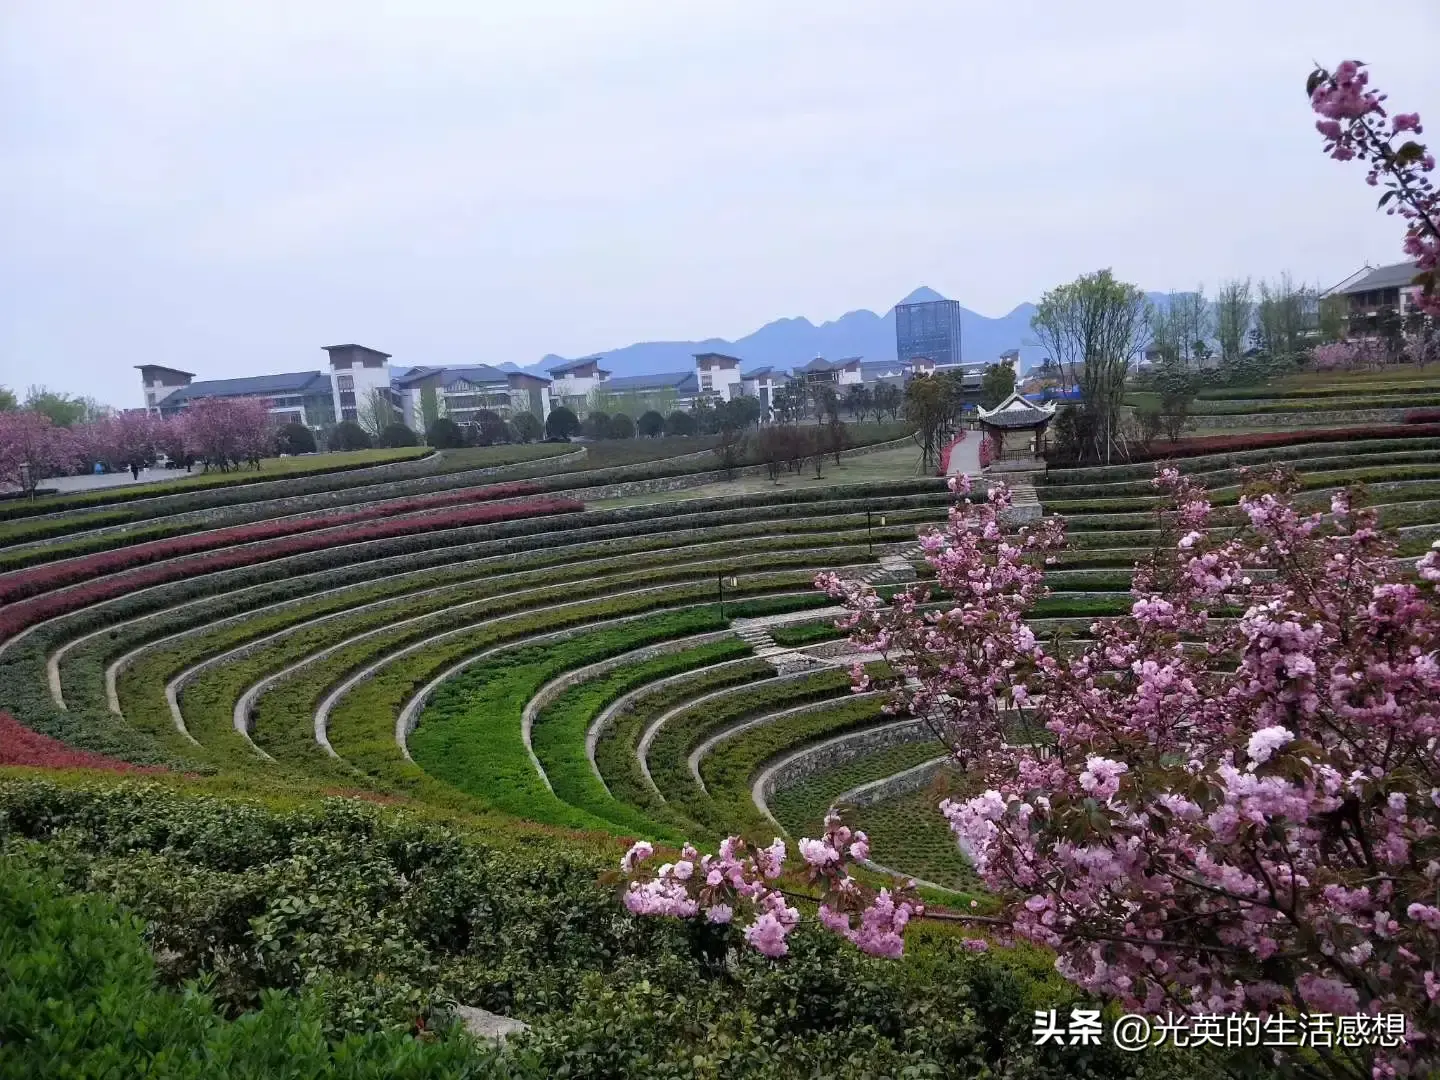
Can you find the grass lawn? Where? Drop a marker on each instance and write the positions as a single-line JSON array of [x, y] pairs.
[[903, 464]]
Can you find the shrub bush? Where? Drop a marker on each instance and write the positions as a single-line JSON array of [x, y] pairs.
[[445, 434], [397, 435], [348, 435], [527, 427], [295, 438]]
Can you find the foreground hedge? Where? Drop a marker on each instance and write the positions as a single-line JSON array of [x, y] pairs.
[[81, 998], [390, 918]]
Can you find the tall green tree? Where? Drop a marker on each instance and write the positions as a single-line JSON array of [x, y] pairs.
[[1095, 328], [997, 384], [928, 407], [1284, 315], [61, 409], [8, 401]]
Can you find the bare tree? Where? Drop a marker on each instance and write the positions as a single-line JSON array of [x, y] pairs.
[[1194, 325], [374, 413], [1095, 327], [1234, 311]]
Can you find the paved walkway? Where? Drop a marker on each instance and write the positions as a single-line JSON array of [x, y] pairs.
[[965, 456], [91, 482]]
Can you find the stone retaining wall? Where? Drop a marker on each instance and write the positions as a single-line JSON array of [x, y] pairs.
[[1321, 419], [628, 488], [829, 755], [902, 783]]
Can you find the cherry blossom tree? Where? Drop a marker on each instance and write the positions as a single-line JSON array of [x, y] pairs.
[[1194, 811], [31, 438], [1356, 124], [122, 441], [228, 431]]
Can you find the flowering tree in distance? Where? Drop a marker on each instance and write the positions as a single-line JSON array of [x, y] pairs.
[[30, 437], [1353, 121], [227, 431]]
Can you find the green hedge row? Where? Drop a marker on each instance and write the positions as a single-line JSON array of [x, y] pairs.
[[1295, 453], [362, 724], [388, 917], [1341, 389], [668, 757], [801, 808], [1277, 404], [909, 834], [560, 729], [616, 752], [1402, 462], [469, 733], [730, 768]]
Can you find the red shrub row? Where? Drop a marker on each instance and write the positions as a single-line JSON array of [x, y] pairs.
[[16, 617], [946, 452], [1423, 416], [1229, 444], [38, 579], [21, 746]]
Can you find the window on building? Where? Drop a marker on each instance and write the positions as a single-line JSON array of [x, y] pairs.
[[345, 382], [348, 414], [706, 382]]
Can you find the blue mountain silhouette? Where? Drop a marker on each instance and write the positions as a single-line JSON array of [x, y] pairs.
[[788, 343]]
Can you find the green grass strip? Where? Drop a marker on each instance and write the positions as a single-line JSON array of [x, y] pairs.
[[559, 731]]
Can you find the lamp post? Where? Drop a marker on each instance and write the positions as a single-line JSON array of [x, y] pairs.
[[869, 537], [720, 587]]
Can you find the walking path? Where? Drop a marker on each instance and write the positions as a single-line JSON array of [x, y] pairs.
[[965, 456]]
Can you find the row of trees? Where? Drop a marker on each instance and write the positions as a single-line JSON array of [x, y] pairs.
[[222, 434]]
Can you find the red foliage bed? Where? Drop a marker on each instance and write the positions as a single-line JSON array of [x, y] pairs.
[[17, 616], [21, 746]]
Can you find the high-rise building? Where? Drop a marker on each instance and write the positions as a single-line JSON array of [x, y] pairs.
[[930, 329]]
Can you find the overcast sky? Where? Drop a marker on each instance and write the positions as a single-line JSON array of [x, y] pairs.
[[227, 186]]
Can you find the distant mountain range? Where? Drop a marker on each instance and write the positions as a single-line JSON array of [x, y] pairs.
[[788, 343]]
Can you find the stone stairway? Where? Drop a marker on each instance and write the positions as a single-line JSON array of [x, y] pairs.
[[1024, 502]]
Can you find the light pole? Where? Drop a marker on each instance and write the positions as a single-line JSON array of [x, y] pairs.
[[720, 587], [869, 537]]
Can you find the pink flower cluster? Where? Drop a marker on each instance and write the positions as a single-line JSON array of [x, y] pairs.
[[733, 881], [1194, 812], [1353, 123], [734, 886]]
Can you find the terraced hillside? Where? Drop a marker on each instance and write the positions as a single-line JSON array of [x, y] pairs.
[[555, 657]]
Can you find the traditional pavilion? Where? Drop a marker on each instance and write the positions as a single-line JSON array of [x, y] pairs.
[[1017, 426]]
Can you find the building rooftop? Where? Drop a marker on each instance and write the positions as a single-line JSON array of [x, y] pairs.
[[296, 382], [682, 382], [1016, 411], [1396, 275], [571, 365], [352, 345], [759, 372], [162, 367], [479, 374]]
